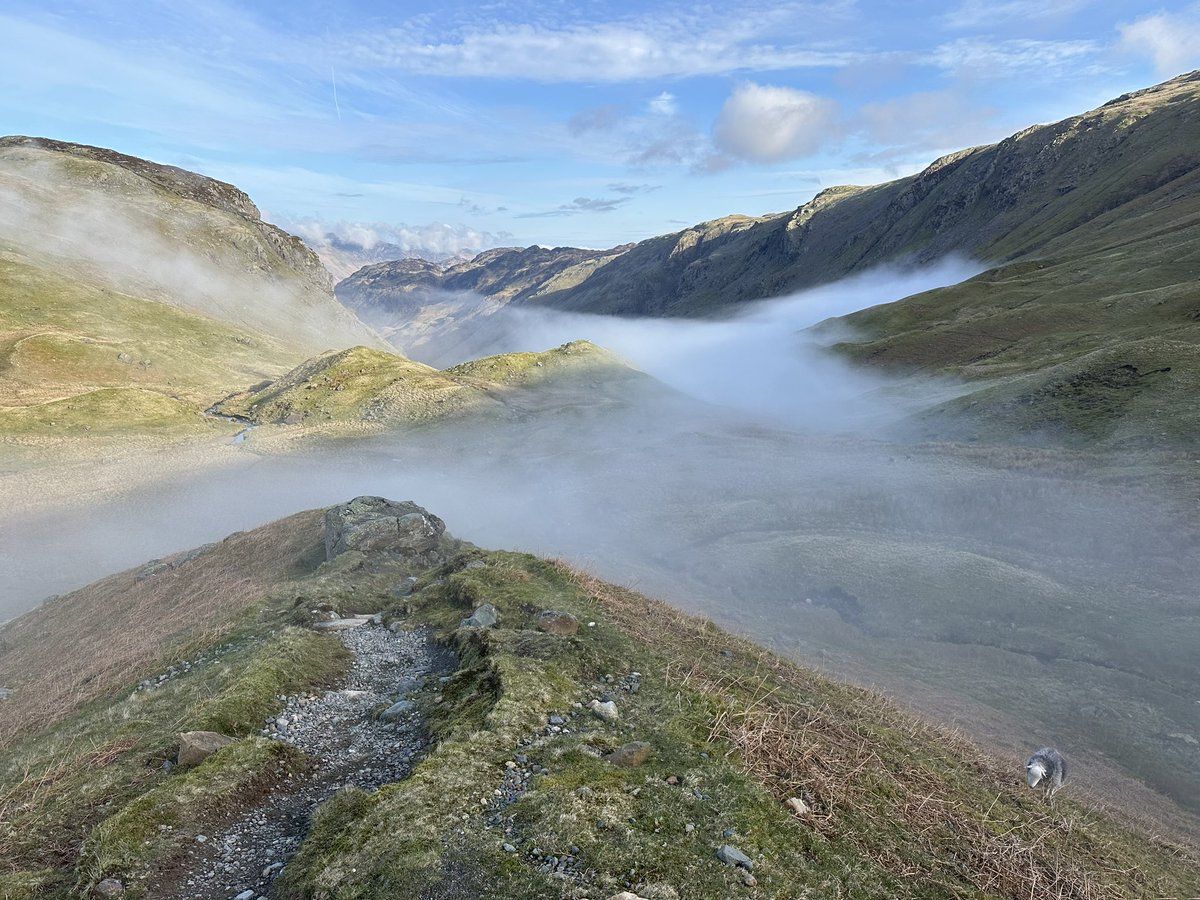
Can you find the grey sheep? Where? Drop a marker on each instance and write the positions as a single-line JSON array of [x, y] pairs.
[[1046, 769]]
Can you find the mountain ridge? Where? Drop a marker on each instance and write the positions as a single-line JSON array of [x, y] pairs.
[[973, 202]]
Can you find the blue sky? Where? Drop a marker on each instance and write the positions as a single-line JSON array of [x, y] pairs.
[[586, 123]]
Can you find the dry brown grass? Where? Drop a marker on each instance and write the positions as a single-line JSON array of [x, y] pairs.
[[76, 649], [28, 799], [907, 794]]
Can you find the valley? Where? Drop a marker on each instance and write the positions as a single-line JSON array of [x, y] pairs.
[[957, 471]]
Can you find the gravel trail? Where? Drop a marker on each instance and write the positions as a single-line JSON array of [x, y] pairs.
[[350, 743]]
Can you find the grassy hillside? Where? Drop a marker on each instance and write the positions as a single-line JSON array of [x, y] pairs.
[[373, 389], [892, 807], [166, 234], [1093, 342], [134, 294], [89, 358]]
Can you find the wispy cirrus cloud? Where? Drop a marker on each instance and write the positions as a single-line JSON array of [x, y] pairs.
[[645, 48], [655, 135], [986, 57], [972, 14], [623, 188]]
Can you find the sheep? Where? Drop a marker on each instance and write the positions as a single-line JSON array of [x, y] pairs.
[[1046, 768]]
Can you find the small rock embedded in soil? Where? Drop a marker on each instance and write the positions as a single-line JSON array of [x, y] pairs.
[[606, 711], [732, 856], [485, 616], [197, 746], [108, 888], [554, 621], [631, 755]]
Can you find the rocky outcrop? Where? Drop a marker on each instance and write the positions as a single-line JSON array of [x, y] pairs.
[[373, 524]]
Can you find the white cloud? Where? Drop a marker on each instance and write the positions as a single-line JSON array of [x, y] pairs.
[[767, 124], [434, 239], [1172, 40], [664, 104], [978, 56], [344, 247]]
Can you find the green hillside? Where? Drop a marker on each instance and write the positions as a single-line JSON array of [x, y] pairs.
[[132, 295], [374, 389]]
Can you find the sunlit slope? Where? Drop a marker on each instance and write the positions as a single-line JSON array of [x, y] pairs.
[[892, 806], [79, 358], [575, 360], [362, 386], [353, 386], [132, 294], [166, 234]]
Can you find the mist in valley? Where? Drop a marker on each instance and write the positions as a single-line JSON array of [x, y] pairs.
[[1023, 594]]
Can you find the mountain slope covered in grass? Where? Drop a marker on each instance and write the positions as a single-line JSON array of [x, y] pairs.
[[134, 294], [524, 789]]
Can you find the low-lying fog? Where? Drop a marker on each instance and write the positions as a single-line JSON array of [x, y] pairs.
[[1037, 601]]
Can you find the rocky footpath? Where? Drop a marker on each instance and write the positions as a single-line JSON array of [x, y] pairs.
[[365, 733]]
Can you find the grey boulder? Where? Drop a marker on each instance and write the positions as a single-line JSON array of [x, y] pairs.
[[375, 524], [485, 616]]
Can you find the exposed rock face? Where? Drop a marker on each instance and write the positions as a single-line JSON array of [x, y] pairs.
[[373, 524], [197, 746]]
